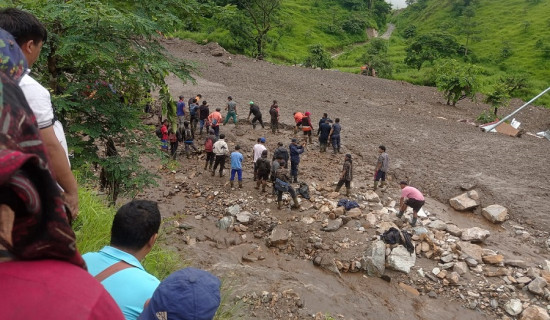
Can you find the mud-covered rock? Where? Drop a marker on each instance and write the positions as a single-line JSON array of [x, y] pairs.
[[333, 225], [534, 313], [374, 260], [279, 236], [495, 213], [513, 307], [401, 260], [475, 234], [465, 201], [537, 286]]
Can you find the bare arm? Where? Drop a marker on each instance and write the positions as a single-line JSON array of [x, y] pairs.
[[61, 169]]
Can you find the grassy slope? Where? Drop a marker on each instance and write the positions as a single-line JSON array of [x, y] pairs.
[[499, 23]]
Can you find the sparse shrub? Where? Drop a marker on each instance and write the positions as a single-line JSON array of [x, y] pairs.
[[486, 117], [354, 25], [409, 32], [506, 50], [318, 58]]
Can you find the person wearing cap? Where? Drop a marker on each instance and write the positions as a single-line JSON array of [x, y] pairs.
[[236, 166], [282, 152], [298, 120], [221, 150], [295, 151], [118, 267], [263, 168], [255, 110], [323, 133], [346, 176], [274, 113], [231, 108], [412, 197], [187, 294], [214, 120], [257, 150], [307, 127], [382, 165], [334, 136]]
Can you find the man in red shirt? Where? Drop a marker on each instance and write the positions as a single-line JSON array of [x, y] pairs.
[[411, 197], [164, 131]]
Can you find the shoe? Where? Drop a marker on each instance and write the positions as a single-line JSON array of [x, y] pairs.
[[213, 173], [221, 174], [240, 184], [296, 204], [413, 222], [231, 183], [279, 205], [400, 214]]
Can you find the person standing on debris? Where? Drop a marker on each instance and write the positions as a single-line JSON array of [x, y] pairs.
[[321, 121], [277, 162], [231, 108], [298, 120], [346, 176], [173, 137], [197, 100], [255, 110], [282, 184], [411, 197], [180, 111], [194, 115], [263, 168], [214, 120], [209, 149], [323, 133], [257, 154], [295, 151], [236, 166], [334, 136], [204, 112], [281, 152], [307, 127], [188, 139], [382, 166], [274, 113], [221, 151], [164, 132]]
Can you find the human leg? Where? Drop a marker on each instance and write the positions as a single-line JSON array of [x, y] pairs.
[[222, 165], [339, 185], [292, 192], [294, 170]]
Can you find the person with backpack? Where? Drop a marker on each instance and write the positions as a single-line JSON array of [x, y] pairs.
[[173, 138], [255, 110], [196, 98], [236, 166], [277, 162], [295, 151], [298, 119], [188, 139], [410, 197], [307, 128], [263, 169], [346, 176], [282, 184], [180, 111], [274, 113], [220, 151], [194, 115], [209, 149], [214, 119], [334, 136], [204, 112], [281, 152], [231, 108]]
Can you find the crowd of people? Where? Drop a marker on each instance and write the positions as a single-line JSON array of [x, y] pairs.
[[39, 262]]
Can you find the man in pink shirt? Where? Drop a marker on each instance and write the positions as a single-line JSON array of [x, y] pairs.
[[411, 197]]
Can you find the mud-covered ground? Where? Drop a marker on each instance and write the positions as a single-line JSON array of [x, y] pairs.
[[433, 146]]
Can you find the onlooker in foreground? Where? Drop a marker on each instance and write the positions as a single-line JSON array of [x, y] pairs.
[[231, 108], [236, 166], [411, 197], [214, 120], [334, 135], [255, 110], [274, 113], [346, 176], [282, 184], [117, 266], [382, 165], [295, 151], [187, 294], [263, 167], [220, 151], [257, 154], [30, 35]]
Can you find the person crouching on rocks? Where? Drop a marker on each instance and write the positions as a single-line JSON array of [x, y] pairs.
[[282, 184], [411, 197], [346, 176]]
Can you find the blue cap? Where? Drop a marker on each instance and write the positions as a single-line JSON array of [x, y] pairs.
[[262, 139], [187, 294]]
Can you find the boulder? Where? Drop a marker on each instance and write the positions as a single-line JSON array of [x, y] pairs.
[[454, 230], [537, 286], [464, 201], [327, 262], [495, 213], [339, 211], [475, 234], [233, 210], [374, 260], [333, 225], [371, 220], [371, 196], [401, 260], [513, 307], [471, 250], [534, 313], [516, 263], [460, 267], [244, 217], [354, 213], [493, 259], [438, 225], [279, 236], [225, 222]]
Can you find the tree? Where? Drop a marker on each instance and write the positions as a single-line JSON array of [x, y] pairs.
[[498, 97], [262, 14], [101, 62], [457, 81], [429, 47], [468, 27], [376, 56], [318, 58]]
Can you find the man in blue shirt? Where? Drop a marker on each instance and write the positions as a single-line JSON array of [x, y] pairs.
[[295, 151], [117, 267], [236, 166], [180, 111]]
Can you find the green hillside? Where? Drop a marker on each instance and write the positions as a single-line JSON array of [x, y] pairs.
[[507, 37]]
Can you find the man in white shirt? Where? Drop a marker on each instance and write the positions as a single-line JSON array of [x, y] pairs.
[[30, 34], [257, 154]]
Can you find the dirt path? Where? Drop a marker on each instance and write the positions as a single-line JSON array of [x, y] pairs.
[[428, 145], [389, 31]]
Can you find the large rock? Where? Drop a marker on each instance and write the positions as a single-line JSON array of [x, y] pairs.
[[513, 307], [537, 286], [454, 230], [371, 220], [225, 222], [495, 213], [333, 225], [339, 211], [374, 259], [471, 250], [493, 259], [438, 225], [244, 217], [354, 213], [327, 262], [534, 313], [371, 196], [233, 210], [475, 234], [401, 260], [465, 201], [279, 236]]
